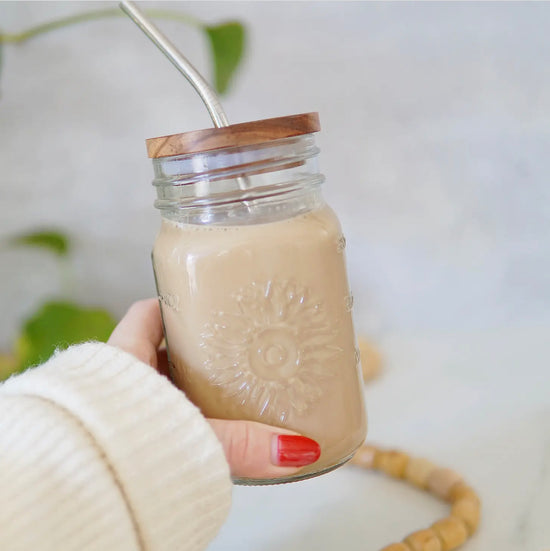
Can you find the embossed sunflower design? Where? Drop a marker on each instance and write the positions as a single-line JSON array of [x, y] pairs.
[[272, 351]]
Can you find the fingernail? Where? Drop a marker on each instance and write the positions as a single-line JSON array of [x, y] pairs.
[[294, 451]]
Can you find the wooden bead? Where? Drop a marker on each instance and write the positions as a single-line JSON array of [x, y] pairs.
[[393, 463], [418, 470], [451, 531], [441, 481], [468, 510], [423, 540], [461, 491], [397, 547], [446, 534], [371, 361], [364, 457]]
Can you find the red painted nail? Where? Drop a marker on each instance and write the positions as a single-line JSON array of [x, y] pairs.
[[295, 451]]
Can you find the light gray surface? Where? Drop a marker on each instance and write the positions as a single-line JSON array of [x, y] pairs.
[[474, 402]]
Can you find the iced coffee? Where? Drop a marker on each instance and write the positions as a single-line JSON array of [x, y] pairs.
[[255, 299]]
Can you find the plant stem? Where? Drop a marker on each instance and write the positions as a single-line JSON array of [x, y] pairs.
[[17, 38]]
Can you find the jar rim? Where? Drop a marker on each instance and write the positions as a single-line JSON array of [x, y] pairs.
[[234, 135]]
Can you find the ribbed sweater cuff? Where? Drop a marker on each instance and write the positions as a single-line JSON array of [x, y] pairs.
[[163, 455]]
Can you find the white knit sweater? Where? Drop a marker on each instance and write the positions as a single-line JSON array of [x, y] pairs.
[[99, 452]]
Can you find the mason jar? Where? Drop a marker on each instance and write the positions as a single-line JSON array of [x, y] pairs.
[[251, 276]]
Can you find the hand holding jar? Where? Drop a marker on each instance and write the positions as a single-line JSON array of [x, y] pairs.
[[251, 449]]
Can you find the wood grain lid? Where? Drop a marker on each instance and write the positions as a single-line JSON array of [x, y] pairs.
[[246, 133]]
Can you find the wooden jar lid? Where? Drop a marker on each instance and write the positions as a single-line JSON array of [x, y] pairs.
[[246, 133]]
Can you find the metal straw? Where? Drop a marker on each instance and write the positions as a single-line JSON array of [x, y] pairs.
[[184, 66], [207, 94]]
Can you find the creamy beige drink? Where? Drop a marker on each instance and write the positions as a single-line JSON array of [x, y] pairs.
[[258, 325]]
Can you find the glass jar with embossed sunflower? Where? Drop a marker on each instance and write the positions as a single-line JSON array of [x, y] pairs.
[[250, 271]]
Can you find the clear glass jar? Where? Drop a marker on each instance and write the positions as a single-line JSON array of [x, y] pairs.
[[250, 272]]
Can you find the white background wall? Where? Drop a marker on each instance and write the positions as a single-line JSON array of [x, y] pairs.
[[435, 144]]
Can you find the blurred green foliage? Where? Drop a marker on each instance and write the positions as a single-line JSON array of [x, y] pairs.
[[227, 45], [57, 323], [53, 241], [226, 40]]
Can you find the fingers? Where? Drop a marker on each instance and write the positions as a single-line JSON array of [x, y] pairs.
[[140, 331], [252, 450], [259, 451]]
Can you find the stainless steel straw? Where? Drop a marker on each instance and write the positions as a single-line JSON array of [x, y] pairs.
[[207, 94]]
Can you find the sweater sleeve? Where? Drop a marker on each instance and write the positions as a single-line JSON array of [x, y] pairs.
[[99, 452]]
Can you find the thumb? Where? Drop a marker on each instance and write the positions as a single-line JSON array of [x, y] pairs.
[[258, 451]]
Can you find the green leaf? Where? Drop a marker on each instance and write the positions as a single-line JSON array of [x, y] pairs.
[[54, 241], [58, 325], [227, 42]]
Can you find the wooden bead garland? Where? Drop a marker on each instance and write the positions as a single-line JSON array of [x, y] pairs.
[[445, 534]]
